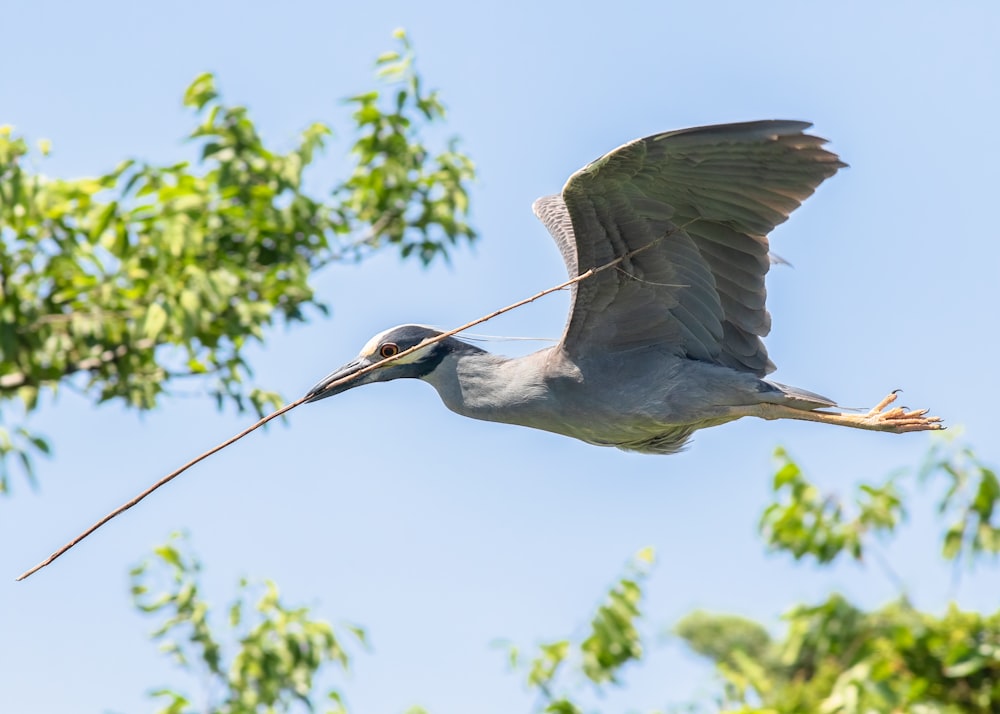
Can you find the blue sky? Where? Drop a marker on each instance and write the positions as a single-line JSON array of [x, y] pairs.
[[440, 534]]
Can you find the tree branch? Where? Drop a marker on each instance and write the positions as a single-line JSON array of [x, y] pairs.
[[16, 380]]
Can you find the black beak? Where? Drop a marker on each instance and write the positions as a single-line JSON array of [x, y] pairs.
[[329, 386]]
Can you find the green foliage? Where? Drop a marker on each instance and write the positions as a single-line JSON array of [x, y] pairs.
[[831, 658], [613, 639], [724, 637], [265, 662], [806, 522], [612, 642], [971, 501], [18, 444], [838, 659], [397, 193], [123, 284]]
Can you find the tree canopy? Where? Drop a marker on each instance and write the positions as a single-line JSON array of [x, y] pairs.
[[125, 284]]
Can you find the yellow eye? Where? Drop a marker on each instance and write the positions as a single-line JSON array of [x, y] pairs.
[[389, 349]]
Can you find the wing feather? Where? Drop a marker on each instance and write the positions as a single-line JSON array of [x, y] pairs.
[[700, 203]]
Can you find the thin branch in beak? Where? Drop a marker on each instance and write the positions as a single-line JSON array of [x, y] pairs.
[[342, 381]]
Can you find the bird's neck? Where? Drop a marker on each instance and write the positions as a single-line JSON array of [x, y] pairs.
[[486, 386]]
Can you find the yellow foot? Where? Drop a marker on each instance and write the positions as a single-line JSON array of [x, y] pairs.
[[898, 420]]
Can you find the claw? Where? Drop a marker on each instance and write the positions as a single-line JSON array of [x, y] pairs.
[[900, 419]]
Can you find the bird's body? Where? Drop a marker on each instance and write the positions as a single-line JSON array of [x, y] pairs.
[[664, 334], [549, 390]]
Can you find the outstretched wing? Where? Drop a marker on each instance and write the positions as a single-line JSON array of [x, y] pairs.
[[695, 207]]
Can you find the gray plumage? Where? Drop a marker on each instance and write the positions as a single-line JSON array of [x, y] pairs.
[[668, 341]]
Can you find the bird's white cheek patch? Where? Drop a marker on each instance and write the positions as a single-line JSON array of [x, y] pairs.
[[369, 349]]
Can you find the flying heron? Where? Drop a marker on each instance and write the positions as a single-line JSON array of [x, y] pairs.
[[669, 341]]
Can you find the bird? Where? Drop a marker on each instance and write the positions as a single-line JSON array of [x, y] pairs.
[[664, 337]]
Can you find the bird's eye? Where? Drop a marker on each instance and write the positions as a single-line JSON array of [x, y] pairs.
[[389, 349]]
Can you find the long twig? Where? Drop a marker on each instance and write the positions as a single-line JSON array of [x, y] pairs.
[[162, 482], [350, 378]]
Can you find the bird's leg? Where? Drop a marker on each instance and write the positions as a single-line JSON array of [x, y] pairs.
[[896, 420]]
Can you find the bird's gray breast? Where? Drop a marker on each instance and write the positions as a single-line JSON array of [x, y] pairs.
[[646, 400]]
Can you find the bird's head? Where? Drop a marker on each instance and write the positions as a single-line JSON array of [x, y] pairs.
[[379, 349]]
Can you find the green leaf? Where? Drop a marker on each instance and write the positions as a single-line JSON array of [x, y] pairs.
[[201, 91], [170, 555], [156, 320], [103, 220]]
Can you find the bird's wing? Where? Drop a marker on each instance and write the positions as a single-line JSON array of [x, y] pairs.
[[697, 205]]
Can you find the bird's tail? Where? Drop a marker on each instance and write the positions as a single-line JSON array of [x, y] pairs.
[[799, 398]]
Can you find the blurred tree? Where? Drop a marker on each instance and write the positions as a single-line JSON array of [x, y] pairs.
[[832, 658], [269, 658], [612, 641], [121, 285], [836, 658], [267, 661]]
